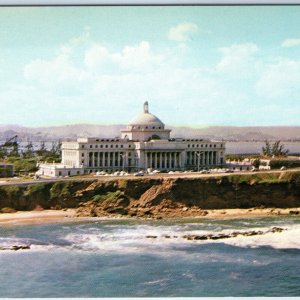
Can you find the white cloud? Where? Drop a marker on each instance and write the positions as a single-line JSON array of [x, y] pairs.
[[236, 57], [182, 32], [139, 57], [280, 79], [96, 56], [56, 72], [290, 43]]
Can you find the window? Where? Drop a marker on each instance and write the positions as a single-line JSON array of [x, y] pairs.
[[129, 146], [188, 145], [153, 127], [106, 146], [101, 146], [121, 146], [111, 146], [91, 146], [96, 146], [82, 146], [117, 146], [82, 154]]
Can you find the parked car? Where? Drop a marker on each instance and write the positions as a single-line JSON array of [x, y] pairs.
[[139, 173], [204, 172]]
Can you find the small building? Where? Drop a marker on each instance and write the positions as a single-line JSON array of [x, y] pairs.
[[239, 165], [6, 170], [278, 162], [57, 170]]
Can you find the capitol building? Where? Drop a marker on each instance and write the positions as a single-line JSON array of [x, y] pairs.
[[144, 144]]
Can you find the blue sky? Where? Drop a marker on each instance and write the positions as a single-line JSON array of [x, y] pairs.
[[196, 65]]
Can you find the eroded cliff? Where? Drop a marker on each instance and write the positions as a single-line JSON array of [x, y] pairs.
[[157, 197]]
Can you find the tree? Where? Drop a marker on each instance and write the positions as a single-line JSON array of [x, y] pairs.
[[256, 163], [29, 150], [42, 150], [276, 149]]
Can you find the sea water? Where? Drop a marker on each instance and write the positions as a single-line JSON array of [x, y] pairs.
[[134, 258]]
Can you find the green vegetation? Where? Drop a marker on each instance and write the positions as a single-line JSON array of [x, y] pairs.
[[23, 165], [274, 150], [277, 164], [258, 178], [27, 161], [108, 197], [60, 190], [256, 163]]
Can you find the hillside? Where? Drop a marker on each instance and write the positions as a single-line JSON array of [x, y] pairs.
[[228, 133]]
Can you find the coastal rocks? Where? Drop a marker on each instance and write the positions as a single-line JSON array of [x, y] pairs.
[[219, 236], [294, 212], [230, 235], [15, 247]]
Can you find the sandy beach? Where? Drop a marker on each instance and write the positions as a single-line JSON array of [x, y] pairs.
[[69, 215], [37, 217]]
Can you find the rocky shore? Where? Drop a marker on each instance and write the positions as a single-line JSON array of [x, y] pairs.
[[161, 197]]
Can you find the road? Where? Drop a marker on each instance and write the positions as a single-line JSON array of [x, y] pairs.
[[156, 176]]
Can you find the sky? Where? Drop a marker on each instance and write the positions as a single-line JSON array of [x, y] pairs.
[[196, 65]]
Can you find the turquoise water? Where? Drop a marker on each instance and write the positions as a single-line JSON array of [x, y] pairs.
[[114, 258]]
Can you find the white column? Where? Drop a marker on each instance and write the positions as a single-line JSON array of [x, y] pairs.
[[118, 158], [114, 157], [160, 159]]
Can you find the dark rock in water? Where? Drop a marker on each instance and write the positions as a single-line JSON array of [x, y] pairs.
[[15, 247], [231, 235], [294, 212], [151, 236], [277, 229]]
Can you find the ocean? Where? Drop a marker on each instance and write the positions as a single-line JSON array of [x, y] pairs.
[[151, 258]]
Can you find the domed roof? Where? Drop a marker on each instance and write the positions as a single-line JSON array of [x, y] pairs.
[[146, 119]]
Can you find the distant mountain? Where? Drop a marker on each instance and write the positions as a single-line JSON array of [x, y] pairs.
[[227, 133]]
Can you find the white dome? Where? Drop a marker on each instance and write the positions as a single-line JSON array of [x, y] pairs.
[[147, 119]]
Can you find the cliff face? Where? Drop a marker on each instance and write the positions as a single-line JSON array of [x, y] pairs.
[[157, 197]]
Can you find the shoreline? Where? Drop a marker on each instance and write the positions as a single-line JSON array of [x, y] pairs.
[[60, 216]]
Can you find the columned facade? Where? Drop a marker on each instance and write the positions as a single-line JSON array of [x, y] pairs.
[[144, 144]]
